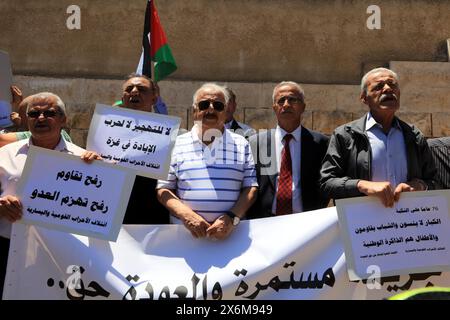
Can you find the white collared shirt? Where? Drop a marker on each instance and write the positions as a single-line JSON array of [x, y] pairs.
[[12, 160], [295, 148]]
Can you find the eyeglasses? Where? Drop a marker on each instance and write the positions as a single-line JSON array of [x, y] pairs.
[[47, 113], [139, 88], [290, 100], [217, 105]]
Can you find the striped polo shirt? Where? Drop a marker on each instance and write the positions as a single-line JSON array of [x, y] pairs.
[[209, 179]]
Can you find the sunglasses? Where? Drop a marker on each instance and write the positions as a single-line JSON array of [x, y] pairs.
[[139, 88], [217, 105], [47, 114], [290, 100]]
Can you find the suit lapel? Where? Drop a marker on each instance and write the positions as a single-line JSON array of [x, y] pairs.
[[306, 159], [272, 177]]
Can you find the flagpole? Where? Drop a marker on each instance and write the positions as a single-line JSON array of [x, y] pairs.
[[146, 42]]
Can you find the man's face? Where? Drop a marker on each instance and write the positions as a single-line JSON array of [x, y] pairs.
[[288, 106], [383, 93], [230, 109], [138, 94], [45, 120], [210, 109]]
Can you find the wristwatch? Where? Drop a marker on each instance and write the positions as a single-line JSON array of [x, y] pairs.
[[234, 218]]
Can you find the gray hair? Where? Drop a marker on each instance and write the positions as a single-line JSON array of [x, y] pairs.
[[289, 83], [231, 93], [46, 95], [215, 87], [376, 70]]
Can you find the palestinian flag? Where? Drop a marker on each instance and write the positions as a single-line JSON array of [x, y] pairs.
[[155, 47]]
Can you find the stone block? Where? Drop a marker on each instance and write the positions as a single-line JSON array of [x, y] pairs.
[[260, 118], [102, 91], [79, 120], [178, 93], [425, 99], [307, 119], [326, 122], [421, 120], [265, 95], [320, 97], [441, 124], [369, 65], [347, 99], [80, 107], [179, 112], [79, 137], [417, 75], [250, 95], [70, 90]]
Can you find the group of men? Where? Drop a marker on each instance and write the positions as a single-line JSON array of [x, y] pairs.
[[221, 171]]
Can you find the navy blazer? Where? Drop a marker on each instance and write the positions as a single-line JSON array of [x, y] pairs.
[[313, 148]]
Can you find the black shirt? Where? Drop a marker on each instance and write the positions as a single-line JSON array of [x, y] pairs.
[[143, 207]]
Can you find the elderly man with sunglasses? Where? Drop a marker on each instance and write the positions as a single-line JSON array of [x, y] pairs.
[[46, 116], [288, 158], [212, 178]]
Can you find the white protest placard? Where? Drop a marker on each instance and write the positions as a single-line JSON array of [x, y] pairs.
[[5, 89], [411, 237], [60, 191], [142, 141]]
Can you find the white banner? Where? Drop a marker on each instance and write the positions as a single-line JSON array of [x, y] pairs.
[[296, 256], [138, 140]]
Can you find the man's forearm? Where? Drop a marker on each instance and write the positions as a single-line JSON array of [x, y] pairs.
[[172, 203], [246, 199]]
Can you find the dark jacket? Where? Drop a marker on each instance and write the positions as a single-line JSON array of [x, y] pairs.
[[440, 150], [349, 155], [313, 148]]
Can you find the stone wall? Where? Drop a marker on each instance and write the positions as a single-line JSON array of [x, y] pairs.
[[308, 41], [248, 44], [425, 99]]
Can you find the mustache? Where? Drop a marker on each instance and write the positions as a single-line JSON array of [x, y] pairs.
[[134, 99], [41, 124], [388, 96]]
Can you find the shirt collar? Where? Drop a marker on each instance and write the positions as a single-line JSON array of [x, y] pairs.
[[61, 146], [371, 122], [228, 124], [196, 139], [296, 134]]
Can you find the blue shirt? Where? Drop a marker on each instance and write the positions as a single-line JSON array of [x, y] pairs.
[[389, 162], [160, 107]]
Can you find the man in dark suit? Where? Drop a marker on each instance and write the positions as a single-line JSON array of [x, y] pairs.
[[288, 159], [231, 123]]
